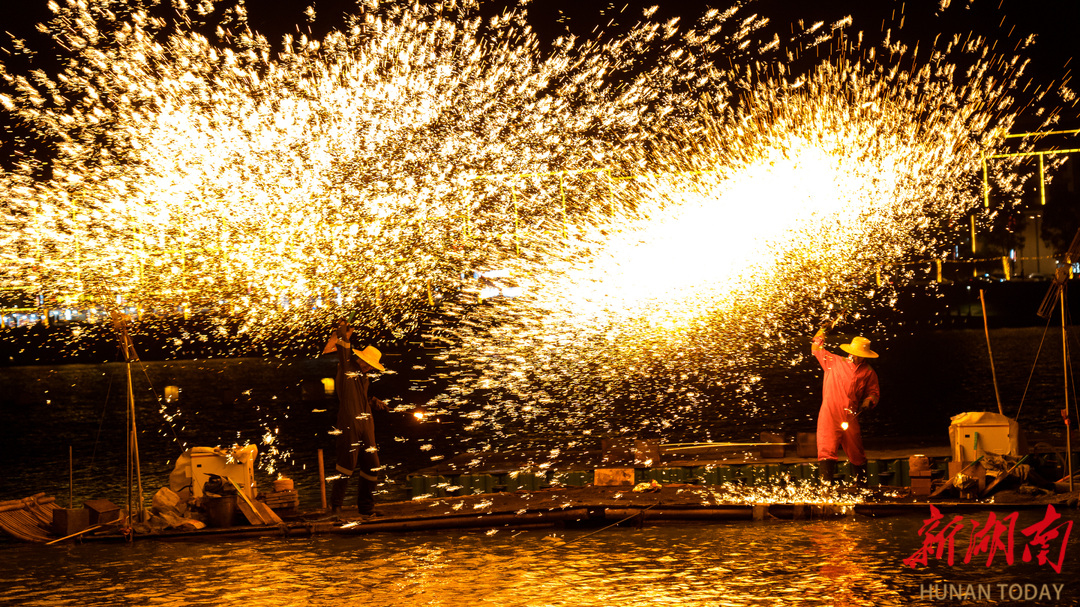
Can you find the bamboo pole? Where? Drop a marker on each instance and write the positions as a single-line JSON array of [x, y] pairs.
[[38, 499], [138, 471], [133, 446], [87, 530], [322, 481], [1065, 361], [993, 372], [133, 469], [127, 428]]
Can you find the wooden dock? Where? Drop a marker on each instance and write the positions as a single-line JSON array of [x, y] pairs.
[[584, 507], [666, 485], [707, 464]]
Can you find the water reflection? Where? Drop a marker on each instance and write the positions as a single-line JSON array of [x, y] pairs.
[[856, 561]]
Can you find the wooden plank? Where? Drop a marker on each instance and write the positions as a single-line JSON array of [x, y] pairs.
[[267, 513], [251, 512], [952, 479], [248, 510]]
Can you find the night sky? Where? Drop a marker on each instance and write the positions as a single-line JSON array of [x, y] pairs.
[[1053, 20], [1009, 21]]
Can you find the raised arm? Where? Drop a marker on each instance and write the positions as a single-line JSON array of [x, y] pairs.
[[818, 341]]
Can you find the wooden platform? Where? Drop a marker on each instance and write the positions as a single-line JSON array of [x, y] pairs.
[[596, 507], [704, 465], [711, 484]]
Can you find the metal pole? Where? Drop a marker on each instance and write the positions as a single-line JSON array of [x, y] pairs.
[[993, 372], [1042, 180], [322, 481], [1065, 366], [1038, 261]]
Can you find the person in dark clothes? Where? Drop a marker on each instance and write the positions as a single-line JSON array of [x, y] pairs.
[[356, 450]]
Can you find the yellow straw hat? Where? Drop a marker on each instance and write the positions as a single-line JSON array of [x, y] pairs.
[[860, 346], [371, 356]]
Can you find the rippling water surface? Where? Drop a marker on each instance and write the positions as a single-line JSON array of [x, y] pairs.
[[856, 561]]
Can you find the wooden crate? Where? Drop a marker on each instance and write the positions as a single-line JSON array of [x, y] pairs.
[[280, 500]]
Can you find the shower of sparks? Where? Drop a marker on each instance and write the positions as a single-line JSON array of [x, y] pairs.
[[335, 177], [366, 173], [786, 492], [159, 170], [770, 213]]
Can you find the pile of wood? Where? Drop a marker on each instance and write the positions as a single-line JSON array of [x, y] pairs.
[[284, 498], [281, 500]]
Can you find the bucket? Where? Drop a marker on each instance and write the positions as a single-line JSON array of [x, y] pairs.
[[919, 465], [220, 510]]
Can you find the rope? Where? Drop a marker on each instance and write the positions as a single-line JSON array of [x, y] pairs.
[[101, 423], [639, 513], [172, 427], [1033, 365], [1069, 369]]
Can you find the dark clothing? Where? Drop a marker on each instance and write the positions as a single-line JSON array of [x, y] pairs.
[[356, 450]]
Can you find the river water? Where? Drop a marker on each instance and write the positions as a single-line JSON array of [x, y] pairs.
[[842, 562], [926, 378]]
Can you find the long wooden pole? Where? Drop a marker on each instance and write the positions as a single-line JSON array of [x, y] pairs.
[[87, 530], [71, 479], [1065, 366], [133, 471], [134, 442], [322, 481], [993, 372], [127, 427]]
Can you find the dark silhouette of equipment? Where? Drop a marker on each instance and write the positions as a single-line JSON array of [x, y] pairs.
[[1054, 296], [1062, 274]]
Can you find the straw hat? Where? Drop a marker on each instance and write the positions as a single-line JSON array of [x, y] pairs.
[[371, 356], [860, 346]]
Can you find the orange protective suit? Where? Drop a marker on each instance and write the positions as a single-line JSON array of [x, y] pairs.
[[846, 385]]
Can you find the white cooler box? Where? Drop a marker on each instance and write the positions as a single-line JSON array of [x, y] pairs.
[[237, 464], [987, 432]]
